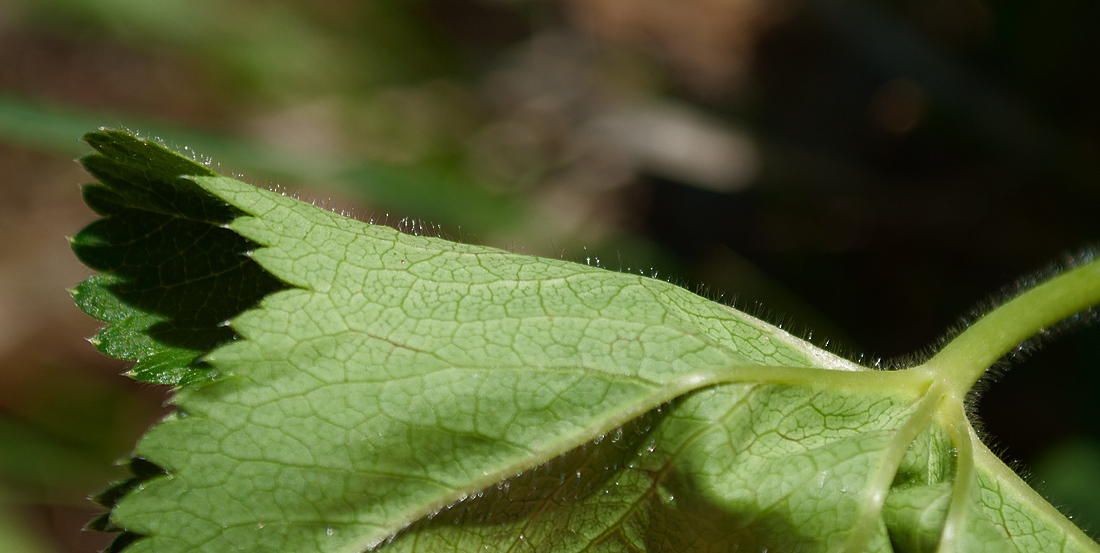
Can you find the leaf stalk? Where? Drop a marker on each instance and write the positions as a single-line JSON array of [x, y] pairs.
[[964, 360]]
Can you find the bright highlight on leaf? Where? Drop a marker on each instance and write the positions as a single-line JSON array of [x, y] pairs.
[[342, 387]]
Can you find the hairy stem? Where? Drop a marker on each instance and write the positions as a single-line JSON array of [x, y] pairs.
[[966, 358]]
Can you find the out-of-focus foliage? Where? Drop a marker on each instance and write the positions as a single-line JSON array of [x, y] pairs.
[[916, 154], [14, 536], [1070, 473]]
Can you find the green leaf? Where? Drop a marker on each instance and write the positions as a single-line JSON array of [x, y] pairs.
[[172, 273], [380, 390]]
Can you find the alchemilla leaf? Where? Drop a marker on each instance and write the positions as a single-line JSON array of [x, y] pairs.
[[343, 387]]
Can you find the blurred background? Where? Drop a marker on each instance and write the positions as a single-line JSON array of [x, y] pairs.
[[869, 169]]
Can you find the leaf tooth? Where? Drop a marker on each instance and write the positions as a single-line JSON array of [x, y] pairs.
[[141, 471], [121, 542], [102, 523]]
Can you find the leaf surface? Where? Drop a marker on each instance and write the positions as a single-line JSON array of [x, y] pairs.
[[379, 390]]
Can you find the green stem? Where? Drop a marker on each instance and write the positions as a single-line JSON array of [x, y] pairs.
[[966, 358]]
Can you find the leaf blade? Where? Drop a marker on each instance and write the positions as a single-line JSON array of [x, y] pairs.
[[374, 389]]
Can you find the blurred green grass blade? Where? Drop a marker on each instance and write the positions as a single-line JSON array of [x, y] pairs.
[[34, 124], [51, 127], [33, 455], [14, 534], [442, 194], [439, 194]]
